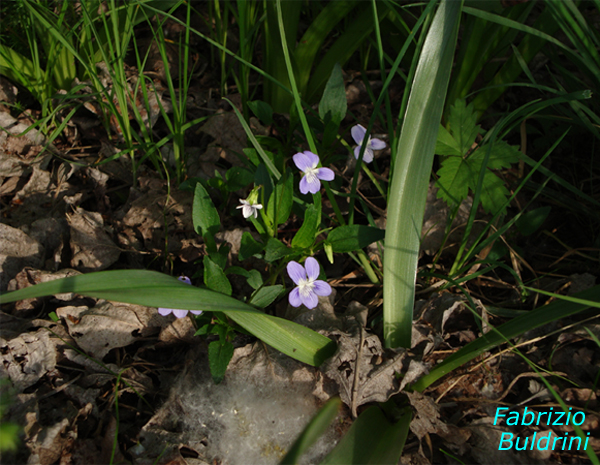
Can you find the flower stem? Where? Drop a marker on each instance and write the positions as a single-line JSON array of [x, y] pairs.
[[375, 182], [334, 205], [366, 265]]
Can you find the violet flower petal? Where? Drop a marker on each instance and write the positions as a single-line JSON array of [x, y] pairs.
[[325, 174], [321, 288], [377, 144], [294, 297], [309, 185], [358, 133], [308, 286], [306, 160], [312, 268], [180, 313], [367, 156], [296, 271], [310, 300]]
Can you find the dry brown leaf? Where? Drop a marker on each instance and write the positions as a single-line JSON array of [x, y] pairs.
[[427, 421], [29, 277], [359, 367], [179, 330], [106, 326], [47, 446], [147, 217], [8, 94], [18, 250], [149, 114], [435, 221], [92, 247], [11, 166], [13, 126], [26, 358], [230, 138], [581, 282], [581, 397], [40, 198]]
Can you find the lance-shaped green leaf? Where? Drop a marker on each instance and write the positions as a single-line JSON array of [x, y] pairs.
[[265, 296], [344, 46], [276, 249], [154, 289], [280, 201], [219, 355], [310, 45], [262, 110], [249, 246], [412, 170], [305, 237], [354, 237], [215, 278], [204, 214], [334, 100]]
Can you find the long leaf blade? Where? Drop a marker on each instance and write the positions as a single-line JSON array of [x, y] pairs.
[[534, 319], [154, 289], [414, 161], [371, 439], [315, 429]]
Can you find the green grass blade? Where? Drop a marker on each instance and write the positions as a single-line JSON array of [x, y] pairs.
[[154, 289], [312, 41], [261, 152], [23, 71], [480, 42], [581, 34], [412, 170], [531, 44], [342, 50], [543, 34], [287, 60], [225, 50], [393, 70], [515, 327], [280, 16]]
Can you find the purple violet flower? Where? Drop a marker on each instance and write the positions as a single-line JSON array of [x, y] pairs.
[[358, 134], [176, 312], [311, 181], [308, 287]]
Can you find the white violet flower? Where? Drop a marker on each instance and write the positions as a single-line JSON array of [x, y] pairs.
[[249, 209], [250, 206]]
